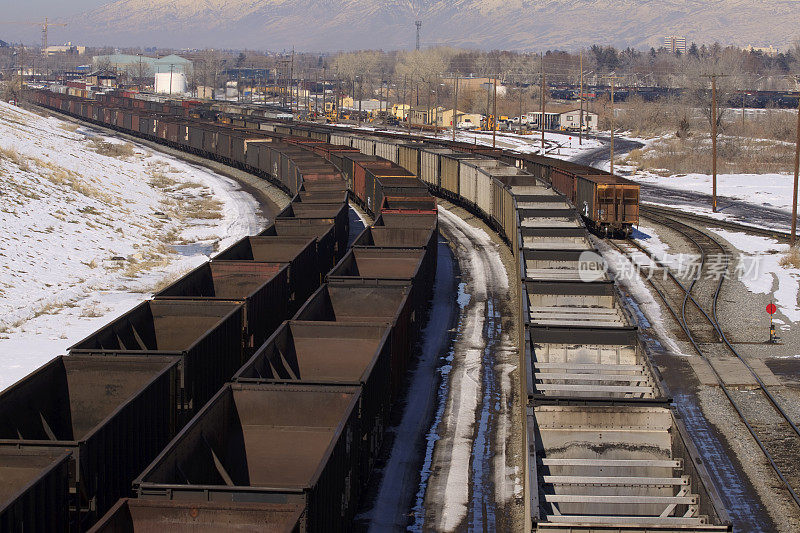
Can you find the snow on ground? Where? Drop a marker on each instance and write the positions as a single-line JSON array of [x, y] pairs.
[[458, 481], [91, 226], [558, 145], [760, 271], [636, 286], [771, 190]]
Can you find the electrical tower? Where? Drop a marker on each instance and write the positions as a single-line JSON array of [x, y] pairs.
[[418, 24]]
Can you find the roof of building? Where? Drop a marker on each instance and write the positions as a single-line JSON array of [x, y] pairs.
[[157, 64]]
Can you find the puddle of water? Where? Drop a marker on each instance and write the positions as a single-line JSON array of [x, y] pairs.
[[195, 248]]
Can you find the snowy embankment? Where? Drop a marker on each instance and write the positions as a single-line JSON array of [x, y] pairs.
[[91, 226]]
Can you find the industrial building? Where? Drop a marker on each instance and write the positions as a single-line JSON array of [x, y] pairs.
[[65, 49], [121, 62]]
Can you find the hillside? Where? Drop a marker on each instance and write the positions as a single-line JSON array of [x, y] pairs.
[[510, 24]]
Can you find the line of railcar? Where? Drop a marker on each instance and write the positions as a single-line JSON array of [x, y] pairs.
[[248, 412], [606, 451]]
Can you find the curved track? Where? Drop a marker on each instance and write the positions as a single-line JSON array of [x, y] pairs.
[[778, 437]]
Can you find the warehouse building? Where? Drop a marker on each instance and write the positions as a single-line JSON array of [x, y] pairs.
[[153, 65]]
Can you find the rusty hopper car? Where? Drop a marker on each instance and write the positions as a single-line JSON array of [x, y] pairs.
[[34, 491], [130, 515], [291, 444], [114, 415], [609, 204]]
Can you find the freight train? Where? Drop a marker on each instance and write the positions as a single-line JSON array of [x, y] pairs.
[[212, 406]]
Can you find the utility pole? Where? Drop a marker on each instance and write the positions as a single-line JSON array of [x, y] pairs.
[[541, 117], [291, 82], [612, 78], [494, 112], [170, 78], [436, 124], [403, 108], [580, 97], [455, 106], [796, 172], [519, 122], [714, 136]]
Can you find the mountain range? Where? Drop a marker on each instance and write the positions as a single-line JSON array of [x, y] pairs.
[[389, 24]]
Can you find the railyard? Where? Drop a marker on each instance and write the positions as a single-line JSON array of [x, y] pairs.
[[464, 362]]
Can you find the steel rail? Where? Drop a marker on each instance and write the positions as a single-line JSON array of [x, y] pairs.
[[709, 221], [684, 326]]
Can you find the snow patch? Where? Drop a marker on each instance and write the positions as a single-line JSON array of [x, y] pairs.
[[91, 224]]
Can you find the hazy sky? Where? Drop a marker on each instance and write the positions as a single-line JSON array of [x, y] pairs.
[[36, 11], [33, 10]]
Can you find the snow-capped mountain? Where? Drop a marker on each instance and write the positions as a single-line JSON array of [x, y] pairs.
[[389, 24]]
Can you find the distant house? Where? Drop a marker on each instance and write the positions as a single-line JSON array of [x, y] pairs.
[[101, 78], [570, 120]]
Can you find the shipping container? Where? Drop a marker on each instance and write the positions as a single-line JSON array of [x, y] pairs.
[[207, 336], [333, 353], [112, 414], [293, 444], [299, 252], [263, 288], [34, 492], [147, 516]]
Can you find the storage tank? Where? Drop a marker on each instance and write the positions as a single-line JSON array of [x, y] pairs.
[[171, 82]]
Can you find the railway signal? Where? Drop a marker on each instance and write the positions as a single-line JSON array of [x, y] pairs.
[[771, 310]]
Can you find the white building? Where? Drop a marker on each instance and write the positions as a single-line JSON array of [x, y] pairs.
[[571, 119]]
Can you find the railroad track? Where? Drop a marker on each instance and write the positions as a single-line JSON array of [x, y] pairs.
[[666, 212], [775, 432]]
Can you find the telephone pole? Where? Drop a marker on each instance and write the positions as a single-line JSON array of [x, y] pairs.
[[612, 78], [714, 135], [580, 97], [455, 106], [541, 97], [796, 172], [494, 112]]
